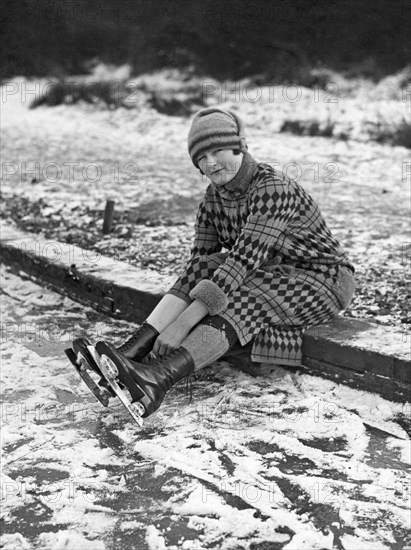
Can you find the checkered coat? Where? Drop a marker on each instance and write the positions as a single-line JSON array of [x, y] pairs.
[[263, 242]]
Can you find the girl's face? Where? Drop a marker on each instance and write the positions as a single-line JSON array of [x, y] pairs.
[[220, 165]]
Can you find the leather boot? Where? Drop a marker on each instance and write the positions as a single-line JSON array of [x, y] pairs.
[[149, 384], [139, 344]]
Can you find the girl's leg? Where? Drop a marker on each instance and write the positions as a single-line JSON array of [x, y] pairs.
[[139, 344], [148, 384], [170, 307], [166, 312], [209, 340]]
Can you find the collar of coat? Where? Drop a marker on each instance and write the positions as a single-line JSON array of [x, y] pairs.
[[239, 184]]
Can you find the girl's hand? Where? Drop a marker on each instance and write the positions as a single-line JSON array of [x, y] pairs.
[[171, 338]]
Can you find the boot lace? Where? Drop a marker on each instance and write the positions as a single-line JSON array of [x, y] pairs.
[[188, 379], [130, 342]]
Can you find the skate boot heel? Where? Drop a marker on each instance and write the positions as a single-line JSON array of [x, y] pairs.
[[88, 359], [79, 363], [139, 399], [111, 375], [81, 347]]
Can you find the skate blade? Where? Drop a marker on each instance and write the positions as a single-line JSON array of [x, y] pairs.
[[110, 372], [101, 393], [94, 354], [96, 357]]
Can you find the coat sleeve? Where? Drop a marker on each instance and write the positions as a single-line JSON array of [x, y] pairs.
[[205, 242], [272, 207]]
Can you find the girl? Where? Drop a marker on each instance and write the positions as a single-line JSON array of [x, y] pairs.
[[281, 271]]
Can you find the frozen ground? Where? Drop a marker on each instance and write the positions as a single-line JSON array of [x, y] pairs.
[[62, 163], [285, 461]]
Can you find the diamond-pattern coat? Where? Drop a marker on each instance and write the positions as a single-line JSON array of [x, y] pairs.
[[265, 243]]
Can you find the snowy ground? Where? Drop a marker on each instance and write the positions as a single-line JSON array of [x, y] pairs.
[[285, 461], [62, 163]]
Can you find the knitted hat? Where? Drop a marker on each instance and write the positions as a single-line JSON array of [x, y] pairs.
[[215, 128]]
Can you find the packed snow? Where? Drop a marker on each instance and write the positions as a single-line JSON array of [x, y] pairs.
[[288, 459]]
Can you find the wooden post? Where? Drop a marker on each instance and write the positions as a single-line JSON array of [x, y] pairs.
[[108, 217]]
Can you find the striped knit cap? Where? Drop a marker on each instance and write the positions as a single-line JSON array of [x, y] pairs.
[[214, 128]]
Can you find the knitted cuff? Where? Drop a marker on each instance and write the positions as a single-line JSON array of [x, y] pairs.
[[211, 295]]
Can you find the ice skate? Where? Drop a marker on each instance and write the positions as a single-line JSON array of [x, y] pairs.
[[140, 343], [147, 384], [85, 360], [100, 376]]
